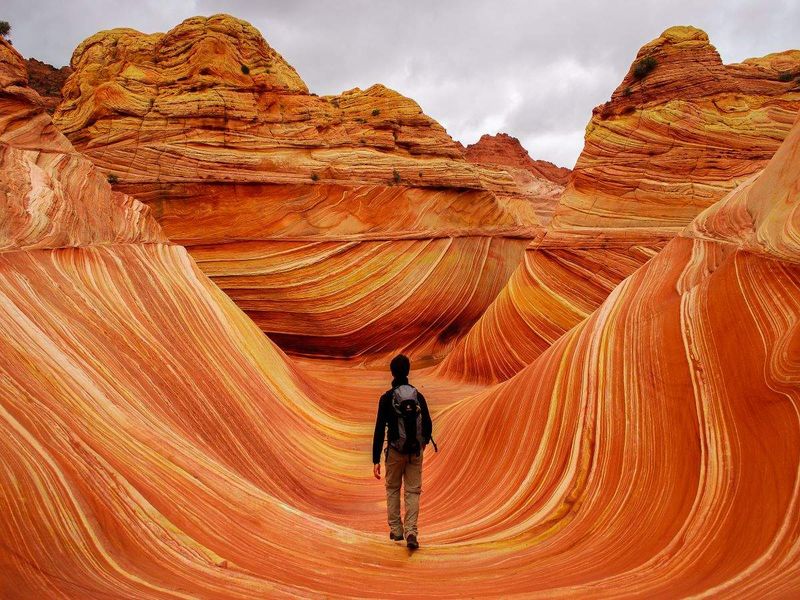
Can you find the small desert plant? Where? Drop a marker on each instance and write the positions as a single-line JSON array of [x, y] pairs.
[[643, 67], [314, 177], [112, 179], [626, 91], [396, 177], [376, 112], [785, 76], [5, 28], [245, 69]]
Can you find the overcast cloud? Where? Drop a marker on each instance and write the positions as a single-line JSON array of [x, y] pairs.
[[531, 69]]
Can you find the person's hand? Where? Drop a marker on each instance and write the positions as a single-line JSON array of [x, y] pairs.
[[376, 470]]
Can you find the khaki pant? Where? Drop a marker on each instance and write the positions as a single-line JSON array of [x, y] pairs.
[[405, 469]]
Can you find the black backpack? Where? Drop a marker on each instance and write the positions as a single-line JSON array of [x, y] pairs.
[[405, 403]]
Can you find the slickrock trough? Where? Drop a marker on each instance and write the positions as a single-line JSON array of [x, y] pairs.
[[154, 443]]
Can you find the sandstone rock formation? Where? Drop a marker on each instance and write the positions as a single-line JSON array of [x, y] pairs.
[[674, 140], [320, 216], [154, 444], [538, 183], [45, 204], [680, 131], [687, 373], [504, 150], [137, 401], [47, 81]]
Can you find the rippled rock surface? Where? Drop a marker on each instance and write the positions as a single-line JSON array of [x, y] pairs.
[[155, 444], [332, 221], [679, 132]]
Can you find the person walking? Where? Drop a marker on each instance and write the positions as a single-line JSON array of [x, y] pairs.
[[403, 419]]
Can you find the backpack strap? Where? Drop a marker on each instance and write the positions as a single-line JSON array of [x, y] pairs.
[[435, 448]]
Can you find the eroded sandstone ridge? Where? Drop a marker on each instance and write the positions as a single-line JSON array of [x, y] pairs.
[[320, 216], [675, 138], [504, 150], [155, 444], [47, 80], [679, 132], [45, 199], [538, 183], [687, 373]]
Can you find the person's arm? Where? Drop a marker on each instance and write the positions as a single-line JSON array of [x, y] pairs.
[[380, 433], [427, 424]]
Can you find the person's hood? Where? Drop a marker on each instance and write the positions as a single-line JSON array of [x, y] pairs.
[[398, 381]]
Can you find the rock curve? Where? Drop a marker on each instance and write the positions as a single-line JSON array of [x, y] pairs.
[[674, 139], [213, 130]]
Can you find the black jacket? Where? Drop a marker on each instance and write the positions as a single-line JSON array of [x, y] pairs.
[[387, 418]]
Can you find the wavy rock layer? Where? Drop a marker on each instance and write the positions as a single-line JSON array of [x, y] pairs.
[[686, 374], [213, 129], [672, 140], [676, 139], [127, 379], [155, 444], [554, 289]]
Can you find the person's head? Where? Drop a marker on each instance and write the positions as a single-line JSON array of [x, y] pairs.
[[400, 366]]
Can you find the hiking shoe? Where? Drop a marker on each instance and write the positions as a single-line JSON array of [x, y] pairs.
[[411, 542], [395, 537]]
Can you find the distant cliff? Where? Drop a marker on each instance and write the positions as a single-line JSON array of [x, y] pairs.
[[47, 80], [507, 151]]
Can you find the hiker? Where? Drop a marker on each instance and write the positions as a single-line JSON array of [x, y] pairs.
[[404, 412]]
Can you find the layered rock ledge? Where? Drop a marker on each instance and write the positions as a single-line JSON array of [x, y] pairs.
[[301, 207], [680, 132]]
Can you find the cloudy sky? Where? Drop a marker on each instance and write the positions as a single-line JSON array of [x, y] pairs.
[[534, 69]]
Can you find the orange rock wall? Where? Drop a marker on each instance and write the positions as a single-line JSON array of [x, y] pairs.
[[211, 128], [504, 150], [554, 289], [675, 141], [666, 146]]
